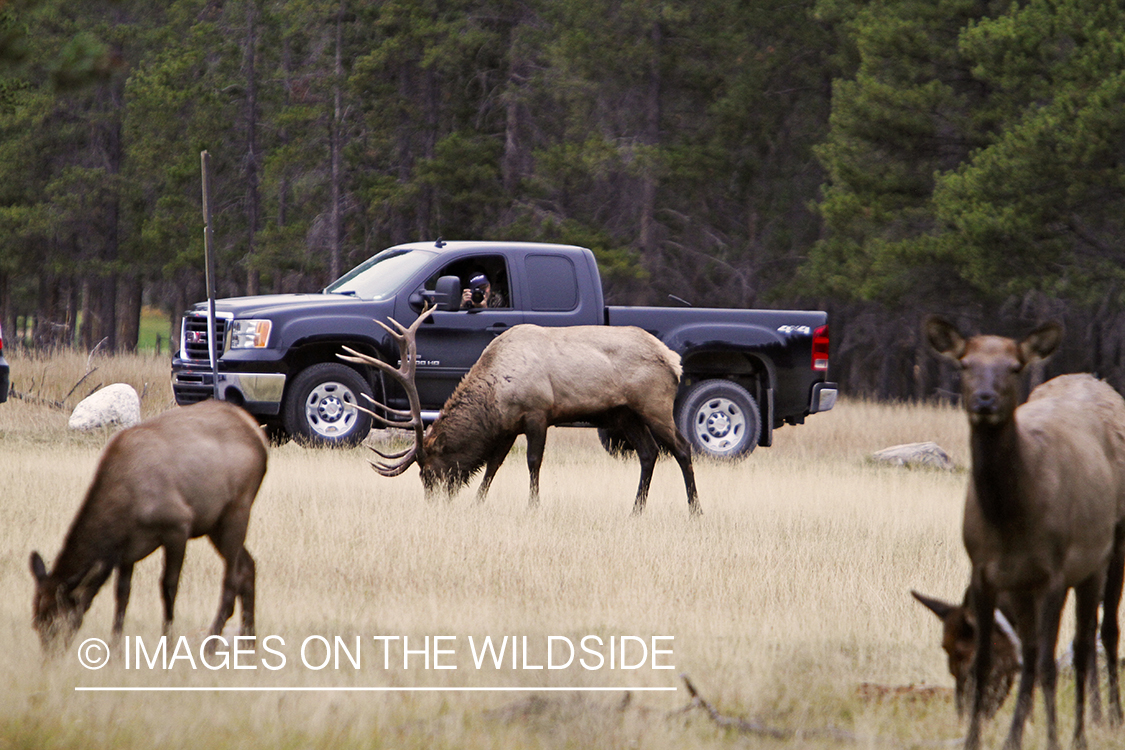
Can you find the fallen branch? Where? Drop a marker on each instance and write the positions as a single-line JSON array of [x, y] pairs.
[[72, 390], [36, 400], [757, 728], [730, 722]]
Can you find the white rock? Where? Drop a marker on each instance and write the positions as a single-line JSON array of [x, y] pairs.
[[115, 404], [914, 454]]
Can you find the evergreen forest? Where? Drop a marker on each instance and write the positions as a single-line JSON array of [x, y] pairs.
[[879, 159]]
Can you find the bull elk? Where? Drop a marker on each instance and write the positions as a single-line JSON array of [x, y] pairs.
[[526, 380], [187, 472], [1043, 513]]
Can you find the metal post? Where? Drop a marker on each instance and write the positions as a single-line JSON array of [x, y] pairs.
[[209, 262]]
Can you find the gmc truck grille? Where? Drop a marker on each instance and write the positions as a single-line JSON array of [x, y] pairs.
[[193, 336]]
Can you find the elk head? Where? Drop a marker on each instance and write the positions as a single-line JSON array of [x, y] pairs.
[[991, 366], [959, 641], [59, 606], [396, 463]]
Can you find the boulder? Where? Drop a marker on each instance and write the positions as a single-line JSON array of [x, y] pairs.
[[116, 404], [915, 454]]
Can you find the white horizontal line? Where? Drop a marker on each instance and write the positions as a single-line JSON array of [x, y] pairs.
[[365, 689]]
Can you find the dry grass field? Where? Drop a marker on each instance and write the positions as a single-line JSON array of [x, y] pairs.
[[787, 601]]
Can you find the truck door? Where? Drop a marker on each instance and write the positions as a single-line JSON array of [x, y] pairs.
[[451, 342]]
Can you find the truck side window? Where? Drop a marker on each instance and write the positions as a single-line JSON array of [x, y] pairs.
[[552, 283], [493, 267]]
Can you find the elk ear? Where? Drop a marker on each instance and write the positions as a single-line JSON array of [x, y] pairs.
[[944, 337], [1041, 343], [938, 607], [38, 567]]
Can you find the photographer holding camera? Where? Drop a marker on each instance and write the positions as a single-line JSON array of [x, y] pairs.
[[478, 294]]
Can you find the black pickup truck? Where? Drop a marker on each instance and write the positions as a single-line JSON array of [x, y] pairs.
[[746, 372]]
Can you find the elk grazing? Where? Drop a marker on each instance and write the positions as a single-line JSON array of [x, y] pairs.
[[1043, 513], [528, 379], [187, 472], [960, 645], [959, 641]]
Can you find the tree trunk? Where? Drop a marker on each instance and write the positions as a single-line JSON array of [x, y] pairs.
[[335, 232], [652, 140], [404, 157], [425, 219], [516, 161], [129, 313]]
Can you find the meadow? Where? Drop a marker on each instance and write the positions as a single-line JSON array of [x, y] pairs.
[[787, 603]]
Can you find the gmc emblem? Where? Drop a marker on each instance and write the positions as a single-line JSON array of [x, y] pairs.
[[195, 337]]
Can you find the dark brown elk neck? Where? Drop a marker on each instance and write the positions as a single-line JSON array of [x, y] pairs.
[[997, 465], [469, 426]]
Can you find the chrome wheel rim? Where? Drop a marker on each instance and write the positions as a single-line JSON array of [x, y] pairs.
[[330, 409], [720, 426]]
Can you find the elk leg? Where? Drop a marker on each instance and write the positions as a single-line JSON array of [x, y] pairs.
[[1111, 631], [536, 431], [674, 442], [173, 561], [246, 590], [124, 587], [494, 460], [1087, 596], [647, 451], [983, 601], [1093, 689], [228, 538], [1039, 663]]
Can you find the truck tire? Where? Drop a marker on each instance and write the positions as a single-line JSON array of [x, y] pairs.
[[319, 410], [720, 419]]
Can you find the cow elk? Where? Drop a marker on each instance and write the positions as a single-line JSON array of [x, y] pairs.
[[1043, 513], [959, 641], [187, 472], [526, 380]]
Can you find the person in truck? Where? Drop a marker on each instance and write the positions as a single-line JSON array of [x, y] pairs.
[[479, 294]]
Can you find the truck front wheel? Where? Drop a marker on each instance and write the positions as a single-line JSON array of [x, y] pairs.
[[320, 408], [720, 419]]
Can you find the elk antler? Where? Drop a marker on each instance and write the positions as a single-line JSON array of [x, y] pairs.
[[398, 462]]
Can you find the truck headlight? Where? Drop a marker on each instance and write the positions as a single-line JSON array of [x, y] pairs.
[[249, 334]]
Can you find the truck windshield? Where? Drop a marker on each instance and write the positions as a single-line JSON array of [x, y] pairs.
[[381, 276]]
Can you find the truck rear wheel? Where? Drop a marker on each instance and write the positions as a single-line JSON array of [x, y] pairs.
[[320, 408], [719, 418]]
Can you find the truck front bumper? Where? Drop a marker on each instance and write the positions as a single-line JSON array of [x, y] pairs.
[[257, 392], [823, 397]]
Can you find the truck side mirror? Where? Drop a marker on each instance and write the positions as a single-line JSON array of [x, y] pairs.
[[447, 293]]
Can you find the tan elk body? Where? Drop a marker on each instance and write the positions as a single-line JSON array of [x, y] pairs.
[[188, 472], [1042, 513], [530, 378]]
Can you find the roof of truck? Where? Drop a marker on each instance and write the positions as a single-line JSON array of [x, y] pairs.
[[448, 246]]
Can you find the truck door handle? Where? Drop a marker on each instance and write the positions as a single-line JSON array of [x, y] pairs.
[[497, 328]]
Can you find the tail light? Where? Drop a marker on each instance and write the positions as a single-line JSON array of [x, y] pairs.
[[820, 349], [1, 340]]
